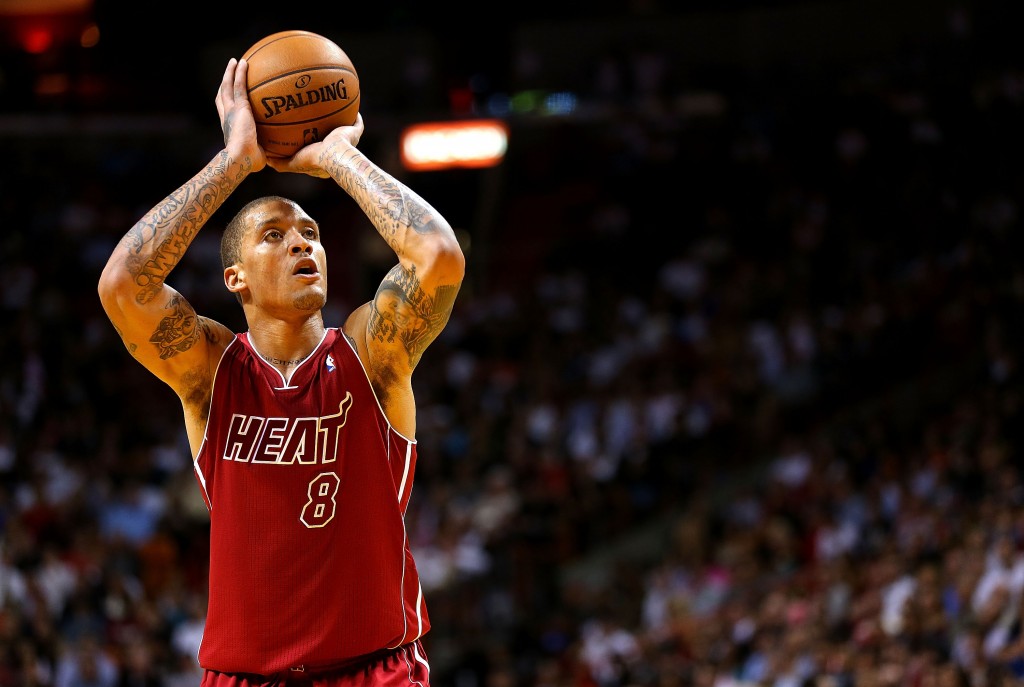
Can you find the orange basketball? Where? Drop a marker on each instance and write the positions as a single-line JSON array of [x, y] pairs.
[[301, 86]]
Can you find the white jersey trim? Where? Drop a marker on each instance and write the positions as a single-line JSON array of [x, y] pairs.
[[405, 540], [285, 382], [405, 471]]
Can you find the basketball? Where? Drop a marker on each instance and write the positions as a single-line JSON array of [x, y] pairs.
[[301, 86]]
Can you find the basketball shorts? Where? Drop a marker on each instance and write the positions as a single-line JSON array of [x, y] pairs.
[[406, 666]]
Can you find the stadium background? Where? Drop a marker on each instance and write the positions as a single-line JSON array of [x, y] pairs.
[[731, 395]]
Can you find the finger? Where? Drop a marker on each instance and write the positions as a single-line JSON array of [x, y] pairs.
[[229, 75], [224, 92], [240, 87]]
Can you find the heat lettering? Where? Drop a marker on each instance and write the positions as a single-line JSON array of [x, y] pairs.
[[242, 434], [286, 440]]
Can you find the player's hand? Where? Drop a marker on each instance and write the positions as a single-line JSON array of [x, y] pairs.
[[236, 119], [311, 158], [351, 134]]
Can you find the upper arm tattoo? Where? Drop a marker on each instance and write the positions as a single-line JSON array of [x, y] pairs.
[[402, 310], [179, 331]]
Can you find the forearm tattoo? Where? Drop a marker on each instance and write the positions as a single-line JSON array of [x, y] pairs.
[[158, 241], [392, 208]]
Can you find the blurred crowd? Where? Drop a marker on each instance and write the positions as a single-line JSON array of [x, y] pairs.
[[775, 322]]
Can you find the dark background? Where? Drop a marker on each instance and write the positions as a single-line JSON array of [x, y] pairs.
[[735, 364]]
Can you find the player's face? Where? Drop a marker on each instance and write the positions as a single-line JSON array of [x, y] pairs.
[[283, 262]]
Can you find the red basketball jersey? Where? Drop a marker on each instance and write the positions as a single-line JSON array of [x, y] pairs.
[[307, 485]]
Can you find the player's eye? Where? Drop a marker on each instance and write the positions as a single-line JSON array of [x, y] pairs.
[[310, 233]]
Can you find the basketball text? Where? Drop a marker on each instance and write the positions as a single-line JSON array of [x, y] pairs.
[[278, 104]]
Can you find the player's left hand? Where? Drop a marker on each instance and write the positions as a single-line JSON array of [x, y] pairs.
[[236, 118], [310, 159]]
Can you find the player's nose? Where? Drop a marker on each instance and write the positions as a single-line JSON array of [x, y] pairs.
[[299, 244]]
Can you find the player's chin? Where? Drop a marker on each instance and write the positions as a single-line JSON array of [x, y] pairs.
[[310, 302]]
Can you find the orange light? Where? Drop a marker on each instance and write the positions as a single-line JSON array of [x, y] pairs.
[[90, 36], [446, 145]]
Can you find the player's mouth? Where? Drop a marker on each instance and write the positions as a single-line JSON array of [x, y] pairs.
[[306, 269]]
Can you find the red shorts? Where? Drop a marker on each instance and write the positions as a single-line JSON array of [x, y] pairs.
[[406, 666]]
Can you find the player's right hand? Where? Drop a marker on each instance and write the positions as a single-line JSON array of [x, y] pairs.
[[351, 133], [236, 118], [312, 158]]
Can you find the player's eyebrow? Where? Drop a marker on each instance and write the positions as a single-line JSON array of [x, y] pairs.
[[277, 220]]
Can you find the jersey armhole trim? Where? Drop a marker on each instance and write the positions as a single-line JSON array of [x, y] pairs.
[[206, 429], [359, 360]]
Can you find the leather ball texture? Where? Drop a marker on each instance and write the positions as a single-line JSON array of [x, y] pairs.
[[301, 86]]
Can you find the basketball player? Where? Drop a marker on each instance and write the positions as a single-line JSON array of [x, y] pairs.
[[303, 435]]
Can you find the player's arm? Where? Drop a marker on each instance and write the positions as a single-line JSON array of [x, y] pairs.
[[158, 326], [415, 299]]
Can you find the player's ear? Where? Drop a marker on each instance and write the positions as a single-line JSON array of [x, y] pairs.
[[234, 278]]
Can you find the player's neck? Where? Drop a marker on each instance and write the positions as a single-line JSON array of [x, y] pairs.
[[285, 344]]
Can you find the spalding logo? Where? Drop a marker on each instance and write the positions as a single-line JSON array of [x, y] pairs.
[[278, 104]]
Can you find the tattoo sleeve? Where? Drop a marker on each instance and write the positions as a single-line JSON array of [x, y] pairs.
[[412, 305], [158, 241], [152, 248], [392, 208]]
